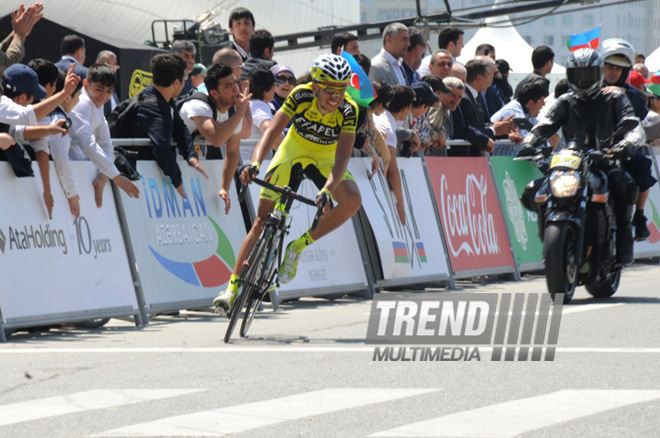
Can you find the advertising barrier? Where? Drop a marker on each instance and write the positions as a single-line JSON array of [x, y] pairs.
[[412, 253], [651, 247], [184, 248], [510, 179], [64, 269], [470, 214], [332, 265]]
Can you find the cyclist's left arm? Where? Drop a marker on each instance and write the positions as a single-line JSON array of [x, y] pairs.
[[342, 155]]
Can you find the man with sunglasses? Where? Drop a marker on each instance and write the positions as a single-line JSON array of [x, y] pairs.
[[318, 145]]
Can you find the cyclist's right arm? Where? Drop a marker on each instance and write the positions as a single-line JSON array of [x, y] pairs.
[[270, 137]]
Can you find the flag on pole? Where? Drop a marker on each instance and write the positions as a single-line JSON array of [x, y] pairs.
[[359, 87], [585, 40]]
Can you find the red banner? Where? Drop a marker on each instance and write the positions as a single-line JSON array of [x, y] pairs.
[[470, 213]]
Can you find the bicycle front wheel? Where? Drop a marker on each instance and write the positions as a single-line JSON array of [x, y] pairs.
[[250, 277]]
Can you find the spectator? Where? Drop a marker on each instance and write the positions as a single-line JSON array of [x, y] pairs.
[[198, 114], [108, 58], [642, 69], [491, 96], [485, 50], [501, 80], [90, 135], [197, 76], [637, 81], [527, 105], [386, 65], [12, 48], [232, 58], [450, 39], [158, 119], [241, 26], [364, 62], [262, 46], [345, 41], [640, 58], [543, 58], [441, 63], [413, 56], [20, 79], [285, 80], [418, 120], [470, 121], [441, 117], [459, 71], [262, 88], [397, 110], [368, 139], [187, 51], [73, 52]]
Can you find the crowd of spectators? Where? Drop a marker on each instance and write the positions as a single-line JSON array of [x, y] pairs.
[[60, 109]]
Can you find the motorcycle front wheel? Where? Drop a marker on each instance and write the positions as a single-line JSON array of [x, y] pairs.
[[561, 260]]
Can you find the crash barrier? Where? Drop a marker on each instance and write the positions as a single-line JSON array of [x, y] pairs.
[[162, 253], [63, 269]]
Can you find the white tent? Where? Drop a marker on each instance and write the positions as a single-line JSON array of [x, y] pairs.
[[653, 61], [508, 43]]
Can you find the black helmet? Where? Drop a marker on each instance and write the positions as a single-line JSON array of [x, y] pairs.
[[584, 72]]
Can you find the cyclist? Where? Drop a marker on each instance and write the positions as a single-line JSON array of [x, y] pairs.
[[319, 145]]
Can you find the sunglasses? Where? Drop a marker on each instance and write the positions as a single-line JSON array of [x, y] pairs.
[[290, 79], [334, 91]]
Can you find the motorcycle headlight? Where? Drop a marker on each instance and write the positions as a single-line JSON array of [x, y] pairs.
[[564, 183]]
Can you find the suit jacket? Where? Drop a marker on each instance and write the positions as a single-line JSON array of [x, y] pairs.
[[64, 63], [470, 125], [381, 70]]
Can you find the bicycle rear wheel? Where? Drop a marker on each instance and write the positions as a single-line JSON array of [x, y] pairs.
[[249, 278]]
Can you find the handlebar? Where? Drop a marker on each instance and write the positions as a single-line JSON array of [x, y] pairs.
[[286, 191]]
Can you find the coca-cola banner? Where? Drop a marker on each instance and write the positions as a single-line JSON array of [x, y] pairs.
[[470, 215]]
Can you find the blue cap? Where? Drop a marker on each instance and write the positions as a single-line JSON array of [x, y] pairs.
[[22, 79]]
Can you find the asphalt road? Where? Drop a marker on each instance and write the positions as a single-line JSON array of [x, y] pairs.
[[305, 371]]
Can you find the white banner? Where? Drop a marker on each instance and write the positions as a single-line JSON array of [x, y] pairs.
[[332, 262], [412, 250], [67, 266], [185, 248]]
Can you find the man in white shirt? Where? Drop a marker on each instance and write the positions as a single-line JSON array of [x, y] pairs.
[[241, 26], [198, 114], [450, 39], [396, 112], [386, 66], [90, 136]]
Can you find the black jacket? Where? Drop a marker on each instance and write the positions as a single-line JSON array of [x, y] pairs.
[[154, 120]]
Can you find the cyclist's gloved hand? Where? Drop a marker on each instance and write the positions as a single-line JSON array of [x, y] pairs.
[[624, 150], [324, 197], [526, 150], [252, 168]]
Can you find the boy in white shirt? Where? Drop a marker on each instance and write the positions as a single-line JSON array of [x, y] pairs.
[[90, 136], [197, 113]]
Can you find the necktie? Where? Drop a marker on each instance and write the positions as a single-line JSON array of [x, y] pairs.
[[484, 107]]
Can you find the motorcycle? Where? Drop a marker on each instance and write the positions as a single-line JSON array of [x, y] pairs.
[[577, 219]]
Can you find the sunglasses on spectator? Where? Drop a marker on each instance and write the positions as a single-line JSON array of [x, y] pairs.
[[290, 79], [334, 91]]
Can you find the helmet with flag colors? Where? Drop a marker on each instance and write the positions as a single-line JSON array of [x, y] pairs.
[[653, 85], [331, 68]]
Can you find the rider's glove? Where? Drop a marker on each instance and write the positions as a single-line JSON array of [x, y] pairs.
[[624, 150], [324, 196], [253, 169], [526, 151]]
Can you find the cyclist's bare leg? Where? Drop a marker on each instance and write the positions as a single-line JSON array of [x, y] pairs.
[[348, 199], [263, 209]]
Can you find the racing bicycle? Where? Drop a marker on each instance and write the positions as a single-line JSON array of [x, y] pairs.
[[259, 273]]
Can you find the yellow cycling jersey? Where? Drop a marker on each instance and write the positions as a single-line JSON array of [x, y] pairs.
[[311, 128]]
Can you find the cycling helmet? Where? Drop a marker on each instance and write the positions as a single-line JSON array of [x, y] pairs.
[[585, 72], [616, 51], [331, 68]]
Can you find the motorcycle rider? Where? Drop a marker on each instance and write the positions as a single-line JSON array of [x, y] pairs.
[[591, 116], [618, 56]]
